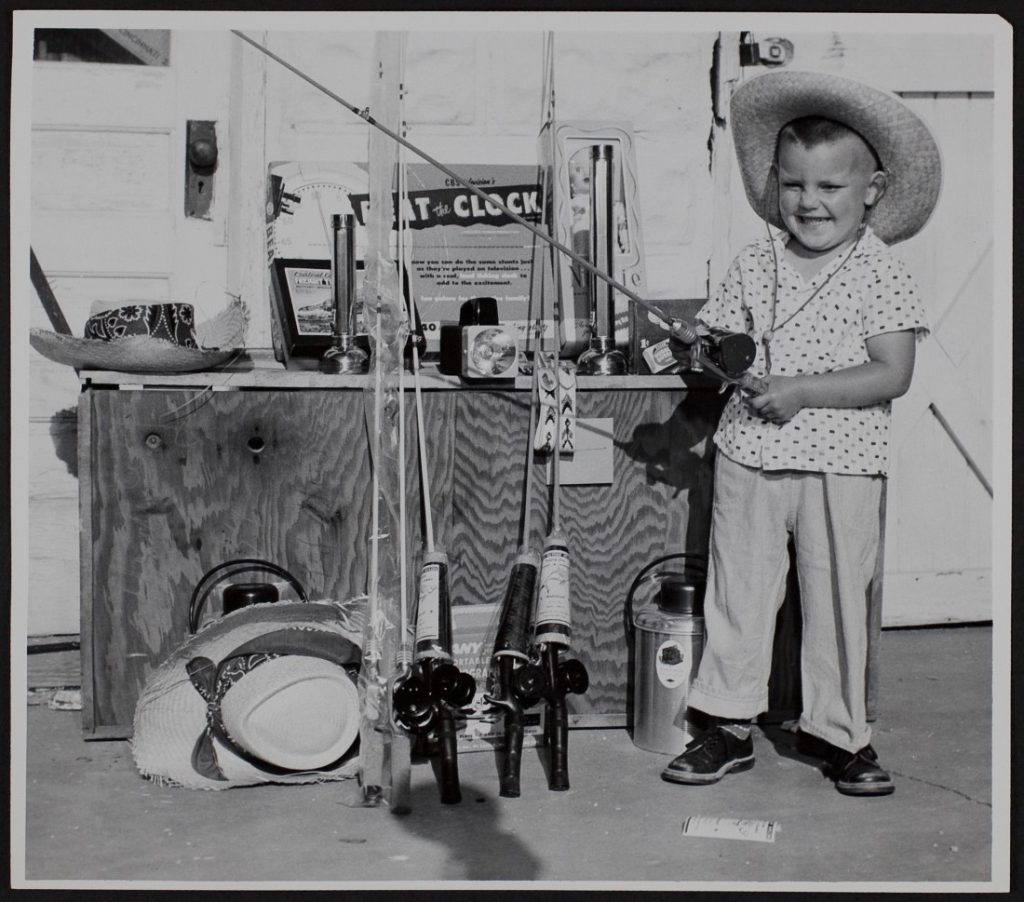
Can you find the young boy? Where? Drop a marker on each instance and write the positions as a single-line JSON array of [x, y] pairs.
[[841, 169]]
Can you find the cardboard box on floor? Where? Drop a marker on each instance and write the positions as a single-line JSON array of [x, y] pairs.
[[483, 729]]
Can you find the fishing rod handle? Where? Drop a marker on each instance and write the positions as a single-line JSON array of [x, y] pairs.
[[451, 794], [513, 636], [434, 609], [557, 733], [554, 614], [511, 766], [556, 720]]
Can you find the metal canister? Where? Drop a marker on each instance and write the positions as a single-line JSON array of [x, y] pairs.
[[669, 639]]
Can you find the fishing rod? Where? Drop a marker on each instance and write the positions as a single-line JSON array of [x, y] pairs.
[[386, 747], [553, 627], [517, 682], [681, 329], [427, 695]]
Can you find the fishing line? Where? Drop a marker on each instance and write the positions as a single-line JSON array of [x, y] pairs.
[[769, 333]]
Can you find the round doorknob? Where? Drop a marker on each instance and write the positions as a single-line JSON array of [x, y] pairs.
[[202, 152]]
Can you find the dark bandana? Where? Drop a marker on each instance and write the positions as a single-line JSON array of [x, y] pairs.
[[212, 681]]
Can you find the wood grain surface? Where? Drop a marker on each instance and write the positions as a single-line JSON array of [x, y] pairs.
[[183, 480]]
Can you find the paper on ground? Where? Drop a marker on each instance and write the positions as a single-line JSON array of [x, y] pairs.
[[731, 828]]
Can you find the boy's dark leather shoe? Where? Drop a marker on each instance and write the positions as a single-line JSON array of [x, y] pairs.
[[859, 774], [711, 757]]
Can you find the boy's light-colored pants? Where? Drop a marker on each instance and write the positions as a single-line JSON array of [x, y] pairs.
[[834, 520]]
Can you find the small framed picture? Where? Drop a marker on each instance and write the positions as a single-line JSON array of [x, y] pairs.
[[304, 305]]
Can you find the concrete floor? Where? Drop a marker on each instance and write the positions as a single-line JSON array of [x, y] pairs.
[[90, 818]]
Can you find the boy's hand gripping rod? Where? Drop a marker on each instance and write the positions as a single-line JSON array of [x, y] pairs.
[[680, 329], [746, 382]]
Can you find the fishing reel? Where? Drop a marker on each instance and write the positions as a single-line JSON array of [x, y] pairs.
[[531, 682], [417, 699], [730, 352], [725, 353]]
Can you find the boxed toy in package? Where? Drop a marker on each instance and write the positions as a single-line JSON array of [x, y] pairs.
[[648, 335], [567, 150], [302, 198]]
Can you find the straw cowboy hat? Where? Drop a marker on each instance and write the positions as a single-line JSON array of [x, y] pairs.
[[265, 694], [142, 337], [903, 143]]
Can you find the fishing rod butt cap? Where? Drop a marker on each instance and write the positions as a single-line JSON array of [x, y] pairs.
[[435, 557], [555, 540], [527, 558]]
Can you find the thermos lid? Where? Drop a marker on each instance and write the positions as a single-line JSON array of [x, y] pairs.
[[681, 595], [238, 595]]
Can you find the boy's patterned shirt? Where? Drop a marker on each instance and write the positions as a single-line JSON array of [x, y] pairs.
[[871, 294]]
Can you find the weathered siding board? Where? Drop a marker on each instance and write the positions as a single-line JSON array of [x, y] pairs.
[[107, 224], [940, 532], [135, 97], [73, 171]]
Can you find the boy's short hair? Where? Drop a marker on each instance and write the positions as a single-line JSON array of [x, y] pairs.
[[811, 131]]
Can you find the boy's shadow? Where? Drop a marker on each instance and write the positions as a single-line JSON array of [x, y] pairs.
[[678, 452]]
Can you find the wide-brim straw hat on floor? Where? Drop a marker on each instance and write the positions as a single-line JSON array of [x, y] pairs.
[[904, 144], [264, 694], [144, 337]]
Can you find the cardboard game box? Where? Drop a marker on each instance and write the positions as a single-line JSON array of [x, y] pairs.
[[464, 247]]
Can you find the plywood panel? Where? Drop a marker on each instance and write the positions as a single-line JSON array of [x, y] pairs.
[[936, 597], [939, 515], [176, 489], [658, 503]]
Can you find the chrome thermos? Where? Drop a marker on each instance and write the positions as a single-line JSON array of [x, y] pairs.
[[668, 633]]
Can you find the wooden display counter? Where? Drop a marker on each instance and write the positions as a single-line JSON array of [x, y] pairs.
[[181, 473]]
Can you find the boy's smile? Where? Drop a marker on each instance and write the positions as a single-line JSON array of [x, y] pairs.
[[824, 191]]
